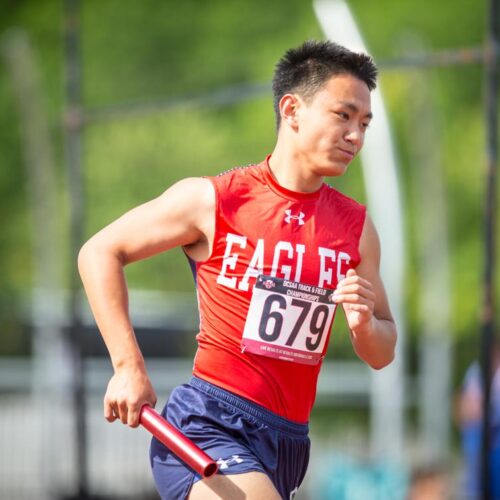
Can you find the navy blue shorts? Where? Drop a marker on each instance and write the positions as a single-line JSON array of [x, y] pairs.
[[240, 435]]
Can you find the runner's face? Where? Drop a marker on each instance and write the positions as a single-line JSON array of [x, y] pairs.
[[332, 125]]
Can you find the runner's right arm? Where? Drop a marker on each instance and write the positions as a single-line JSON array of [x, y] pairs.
[[182, 216]]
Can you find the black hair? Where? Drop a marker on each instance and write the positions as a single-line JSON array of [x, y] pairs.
[[304, 70]]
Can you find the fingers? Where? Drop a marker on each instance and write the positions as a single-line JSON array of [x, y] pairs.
[[353, 292], [357, 298], [110, 413], [354, 289], [352, 278], [134, 410], [133, 415], [152, 402], [123, 411], [127, 411], [125, 395], [352, 306]]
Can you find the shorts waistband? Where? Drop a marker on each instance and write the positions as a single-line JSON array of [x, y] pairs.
[[268, 417]]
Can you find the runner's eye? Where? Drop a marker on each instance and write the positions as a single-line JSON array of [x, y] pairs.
[[343, 115]]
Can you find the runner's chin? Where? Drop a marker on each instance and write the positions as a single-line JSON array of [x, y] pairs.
[[335, 167]]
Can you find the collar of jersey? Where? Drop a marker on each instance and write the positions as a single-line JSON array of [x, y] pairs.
[[282, 191]]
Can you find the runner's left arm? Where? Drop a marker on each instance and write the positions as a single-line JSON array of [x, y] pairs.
[[363, 297]]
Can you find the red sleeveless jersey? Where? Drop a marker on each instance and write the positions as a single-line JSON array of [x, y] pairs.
[[296, 246]]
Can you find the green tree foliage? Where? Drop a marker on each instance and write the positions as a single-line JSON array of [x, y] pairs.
[[152, 51]]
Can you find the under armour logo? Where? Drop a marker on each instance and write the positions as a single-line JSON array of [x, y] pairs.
[[224, 464], [299, 218]]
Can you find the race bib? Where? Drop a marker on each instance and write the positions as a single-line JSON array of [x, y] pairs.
[[288, 320]]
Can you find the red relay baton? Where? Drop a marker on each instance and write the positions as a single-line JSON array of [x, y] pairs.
[[177, 443]]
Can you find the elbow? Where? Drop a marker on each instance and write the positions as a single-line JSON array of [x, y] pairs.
[[82, 257], [91, 251], [381, 352], [387, 354], [85, 256], [98, 252], [378, 364], [382, 364]]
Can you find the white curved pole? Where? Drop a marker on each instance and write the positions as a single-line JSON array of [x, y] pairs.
[[383, 196]]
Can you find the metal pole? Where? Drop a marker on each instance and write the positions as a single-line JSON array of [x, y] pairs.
[[433, 261], [384, 199], [50, 368], [488, 315], [73, 150]]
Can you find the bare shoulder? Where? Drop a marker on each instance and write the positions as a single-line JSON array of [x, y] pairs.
[[190, 193], [185, 204], [192, 201], [180, 216]]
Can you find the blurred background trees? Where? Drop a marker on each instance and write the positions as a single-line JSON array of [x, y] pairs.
[[179, 55]]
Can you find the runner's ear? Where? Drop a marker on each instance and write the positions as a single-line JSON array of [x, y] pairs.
[[288, 109]]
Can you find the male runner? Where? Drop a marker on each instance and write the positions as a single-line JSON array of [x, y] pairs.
[[274, 250]]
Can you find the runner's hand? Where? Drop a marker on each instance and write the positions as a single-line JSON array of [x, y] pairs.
[[358, 300], [128, 390]]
